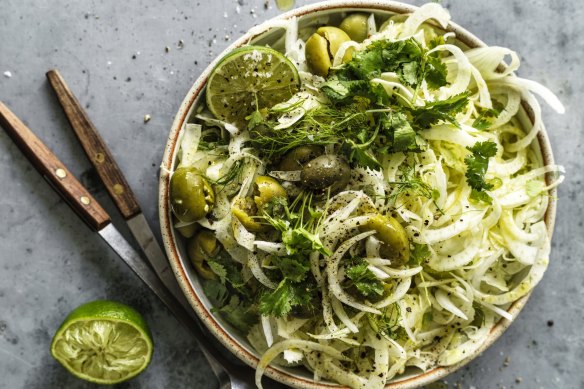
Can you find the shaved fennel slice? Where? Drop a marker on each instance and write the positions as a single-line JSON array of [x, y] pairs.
[[233, 130], [400, 291], [454, 355], [462, 74], [448, 132], [445, 302], [455, 261], [279, 347], [528, 283], [484, 94], [189, 144], [431, 236], [342, 315], [421, 15], [245, 238], [487, 60], [333, 269], [256, 269]]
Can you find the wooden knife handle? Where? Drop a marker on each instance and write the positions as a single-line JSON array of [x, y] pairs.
[[54, 171], [95, 148]]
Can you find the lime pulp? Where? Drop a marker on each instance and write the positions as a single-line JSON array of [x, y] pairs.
[[103, 342], [250, 78]]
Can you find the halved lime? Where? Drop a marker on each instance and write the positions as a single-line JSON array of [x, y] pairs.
[[103, 342], [248, 76]]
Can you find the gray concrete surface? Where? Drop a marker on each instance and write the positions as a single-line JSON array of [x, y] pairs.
[[113, 56]]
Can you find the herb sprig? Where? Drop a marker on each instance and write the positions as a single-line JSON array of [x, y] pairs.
[[477, 164]]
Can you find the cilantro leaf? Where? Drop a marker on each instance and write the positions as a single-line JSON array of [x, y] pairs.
[[435, 72], [442, 110], [299, 239], [477, 165], [341, 91], [435, 42], [228, 271], [254, 119], [294, 268], [287, 295], [484, 120], [219, 270], [216, 292], [363, 279], [419, 254], [359, 155], [402, 57], [239, 314], [398, 130]]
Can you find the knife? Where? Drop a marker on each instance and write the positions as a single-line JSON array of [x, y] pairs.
[[90, 211], [115, 182]]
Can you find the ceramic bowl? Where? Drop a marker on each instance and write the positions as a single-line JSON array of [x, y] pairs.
[[174, 245]]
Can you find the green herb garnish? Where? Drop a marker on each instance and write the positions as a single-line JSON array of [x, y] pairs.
[[362, 278], [477, 165]]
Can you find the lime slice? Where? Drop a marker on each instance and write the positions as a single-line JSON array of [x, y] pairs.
[[103, 342], [250, 75]]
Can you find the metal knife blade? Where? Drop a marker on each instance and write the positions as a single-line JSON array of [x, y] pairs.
[[145, 237]]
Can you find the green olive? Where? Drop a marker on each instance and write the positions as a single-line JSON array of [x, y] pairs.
[[189, 230], [322, 46], [191, 196], [200, 249], [267, 189], [326, 171], [395, 244], [296, 158], [355, 26], [246, 209]]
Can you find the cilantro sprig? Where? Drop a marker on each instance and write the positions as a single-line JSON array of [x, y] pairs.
[[288, 295], [363, 279], [298, 223], [477, 165]]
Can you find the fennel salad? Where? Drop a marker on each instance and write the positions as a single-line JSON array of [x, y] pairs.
[[362, 198]]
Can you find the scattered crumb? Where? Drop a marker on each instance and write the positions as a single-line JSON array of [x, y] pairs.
[[180, 44], [518, 380], [507, 361], [147, 118], [550, 323], [128, 79], [167, 49], [8, 74]]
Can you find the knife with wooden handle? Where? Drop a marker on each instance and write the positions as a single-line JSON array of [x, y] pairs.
[[113, 179], [78, 198]]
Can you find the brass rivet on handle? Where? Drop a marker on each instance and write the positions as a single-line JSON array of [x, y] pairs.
[[84, 200], [60, 173], [118, 189], [99, 158]]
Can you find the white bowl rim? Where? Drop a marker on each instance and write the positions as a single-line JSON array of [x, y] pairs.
[[170, 245]]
